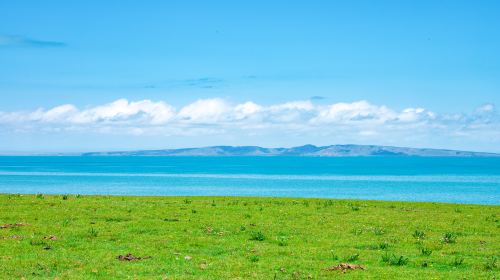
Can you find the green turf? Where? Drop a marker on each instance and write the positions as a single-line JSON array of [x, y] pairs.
[[245, 238]]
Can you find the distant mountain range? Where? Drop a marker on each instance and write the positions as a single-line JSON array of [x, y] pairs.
[[306, 150]]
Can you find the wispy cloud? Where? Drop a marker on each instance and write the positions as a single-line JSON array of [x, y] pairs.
[[20, 41], [317, 97], [360, 119]]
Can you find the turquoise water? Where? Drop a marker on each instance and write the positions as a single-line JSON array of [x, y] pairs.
[[460, 180]]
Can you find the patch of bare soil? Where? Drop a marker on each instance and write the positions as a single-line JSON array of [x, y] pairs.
[[13, 225], [50, 237], [345, 267], [130, 257]]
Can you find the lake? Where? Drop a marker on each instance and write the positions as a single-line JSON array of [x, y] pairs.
[[456, 180]]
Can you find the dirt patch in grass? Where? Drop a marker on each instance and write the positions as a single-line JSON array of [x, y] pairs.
[[130, 257], [50, 237], [13, 225], [345, 267]]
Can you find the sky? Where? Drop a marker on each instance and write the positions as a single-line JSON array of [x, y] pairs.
[[124, 75]]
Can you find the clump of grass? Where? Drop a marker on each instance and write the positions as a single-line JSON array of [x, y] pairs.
[[93, 232], [65, 222], [254, 258], [426, 251], [257, 236], [355, 208], [194, 211], [187, 201], [213, 203], [491, 263], [357, 231], [247, 216], [449, 238], [458, 261], [383, 245], [79, 196], [40, 196], [419, 235], [392, 259], [491, 218], [352, 258], [37, 242], [334, 256], [243, 228], [282, 240], [329, 202], [378, 231], [65, 197]]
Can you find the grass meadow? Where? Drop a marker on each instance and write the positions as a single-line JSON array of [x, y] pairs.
[[115, 237]]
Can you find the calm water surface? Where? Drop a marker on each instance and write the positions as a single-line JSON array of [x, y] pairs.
[[460, 180]]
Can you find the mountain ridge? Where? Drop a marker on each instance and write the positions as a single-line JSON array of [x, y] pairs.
[[346, 150]]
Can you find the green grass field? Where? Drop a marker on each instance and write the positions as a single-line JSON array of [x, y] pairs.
[[81, 237]]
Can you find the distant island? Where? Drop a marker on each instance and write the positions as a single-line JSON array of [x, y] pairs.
[[306, 150]]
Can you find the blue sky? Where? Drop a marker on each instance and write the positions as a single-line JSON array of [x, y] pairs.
[[78, 76]]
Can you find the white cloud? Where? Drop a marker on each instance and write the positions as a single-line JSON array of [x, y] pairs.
[[361, 111], [217, 116], [205, 111]]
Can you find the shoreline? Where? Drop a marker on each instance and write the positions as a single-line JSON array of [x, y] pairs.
[[250, 197]]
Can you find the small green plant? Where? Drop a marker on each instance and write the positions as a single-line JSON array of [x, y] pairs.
[[37, 242], [352, 258], [449, 238], [334, 256], [93, 232], [392, 259], [243, 228], [357, 231], [39, 196], [254, 258], [79, 196], [194, 211], [328, 203], [355, 208], [257, 236], [458, 261], [419, 235], [378, 231], [386, 257], [213, 203], [282, 240], [247, 216], [65, 222], [426, 251], [187, 201], [491, 263], [65, 197], [383, 245]]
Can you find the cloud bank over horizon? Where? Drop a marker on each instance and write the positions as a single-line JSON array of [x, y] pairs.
[[360, 120]]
